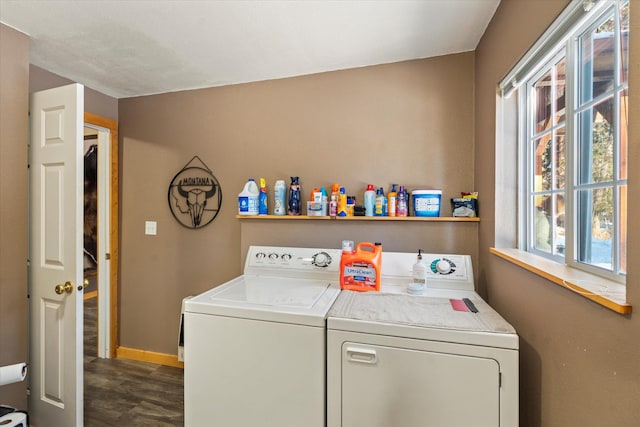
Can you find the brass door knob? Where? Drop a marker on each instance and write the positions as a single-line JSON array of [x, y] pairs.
[[67, 287]]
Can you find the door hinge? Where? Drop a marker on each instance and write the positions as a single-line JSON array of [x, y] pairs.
[[107, 256]]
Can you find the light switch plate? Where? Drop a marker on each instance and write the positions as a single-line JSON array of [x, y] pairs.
[[150, 228]]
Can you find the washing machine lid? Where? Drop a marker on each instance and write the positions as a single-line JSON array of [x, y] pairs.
[[422, 317], [277, 299]]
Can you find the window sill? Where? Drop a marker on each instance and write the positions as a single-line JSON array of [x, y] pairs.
[[605, 292]]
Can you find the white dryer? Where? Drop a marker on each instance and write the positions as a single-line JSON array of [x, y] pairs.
[[255, 347], [443, 359]]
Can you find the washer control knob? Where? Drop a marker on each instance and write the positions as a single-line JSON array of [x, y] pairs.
[[260, 255], [286, 257], [273, 255], [321, 259], [443, 266]]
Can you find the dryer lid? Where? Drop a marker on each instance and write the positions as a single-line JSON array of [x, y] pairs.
[[421, 318]]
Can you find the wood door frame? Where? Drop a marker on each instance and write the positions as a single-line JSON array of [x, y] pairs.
[[112, 126]]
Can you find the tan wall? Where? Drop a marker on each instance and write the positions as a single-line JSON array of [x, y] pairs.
[[14, 119], [94, 101], [409, 123], [579, 361]]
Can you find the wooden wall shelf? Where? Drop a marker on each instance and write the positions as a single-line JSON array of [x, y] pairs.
[[360, 218]]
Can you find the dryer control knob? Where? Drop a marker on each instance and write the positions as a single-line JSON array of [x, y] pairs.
[[443, 266], [321, 259]]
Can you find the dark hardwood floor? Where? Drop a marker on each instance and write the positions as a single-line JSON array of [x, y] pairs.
[[120, 392]]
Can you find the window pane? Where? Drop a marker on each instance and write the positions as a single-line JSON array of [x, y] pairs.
[[597, 61], [542, 163], [624, 102], [542, 224], [560, 158], [558, 221], [623, 229], [595, 149], [595, 227], [542, 103], [624, 42], [560, 86]]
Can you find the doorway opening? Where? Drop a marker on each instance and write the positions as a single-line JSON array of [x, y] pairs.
[[101, 229]]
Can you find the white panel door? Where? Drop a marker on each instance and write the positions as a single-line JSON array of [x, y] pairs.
[[387, 386], [55, 257]]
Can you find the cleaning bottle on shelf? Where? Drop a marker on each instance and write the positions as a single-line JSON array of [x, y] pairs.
[[351, 205], [279, 196], [393, 197], [419, 277], [325, 203], [262, 199], [248, 198], [295, 204], [333, 205], [402, 208], [369, 200], [379, 204], [342, 202]]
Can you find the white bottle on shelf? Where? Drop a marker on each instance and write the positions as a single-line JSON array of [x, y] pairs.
[[248, 198], [279, 192], [369, 200]]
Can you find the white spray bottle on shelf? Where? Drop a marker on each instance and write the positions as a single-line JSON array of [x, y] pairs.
[[419, 279]]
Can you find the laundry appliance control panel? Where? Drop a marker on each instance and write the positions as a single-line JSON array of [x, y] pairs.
[[290, 261]]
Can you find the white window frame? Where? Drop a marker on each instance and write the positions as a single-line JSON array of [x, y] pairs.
[[527, 220], [578, 19]]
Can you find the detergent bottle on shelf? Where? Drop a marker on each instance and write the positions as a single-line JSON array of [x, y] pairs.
[[279, 197], [248, 199], [392, 200], [342, 202], [262, 199], [380, 204], [360, 268], [369, 200]]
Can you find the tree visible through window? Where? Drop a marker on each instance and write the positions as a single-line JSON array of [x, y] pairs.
[[576, 146]]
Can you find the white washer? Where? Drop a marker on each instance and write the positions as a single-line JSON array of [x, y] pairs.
[[255, 347], [400, 360]]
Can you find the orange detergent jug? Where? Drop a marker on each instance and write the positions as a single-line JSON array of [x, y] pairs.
[[360, 269]]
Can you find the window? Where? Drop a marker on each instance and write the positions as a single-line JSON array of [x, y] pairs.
[[572, 94]]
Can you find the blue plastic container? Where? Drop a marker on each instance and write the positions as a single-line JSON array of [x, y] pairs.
[[426, 202]]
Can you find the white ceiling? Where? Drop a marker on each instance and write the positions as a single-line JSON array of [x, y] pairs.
[[140, 47]]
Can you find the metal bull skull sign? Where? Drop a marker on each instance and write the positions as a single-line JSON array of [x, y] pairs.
[[195, 196]]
